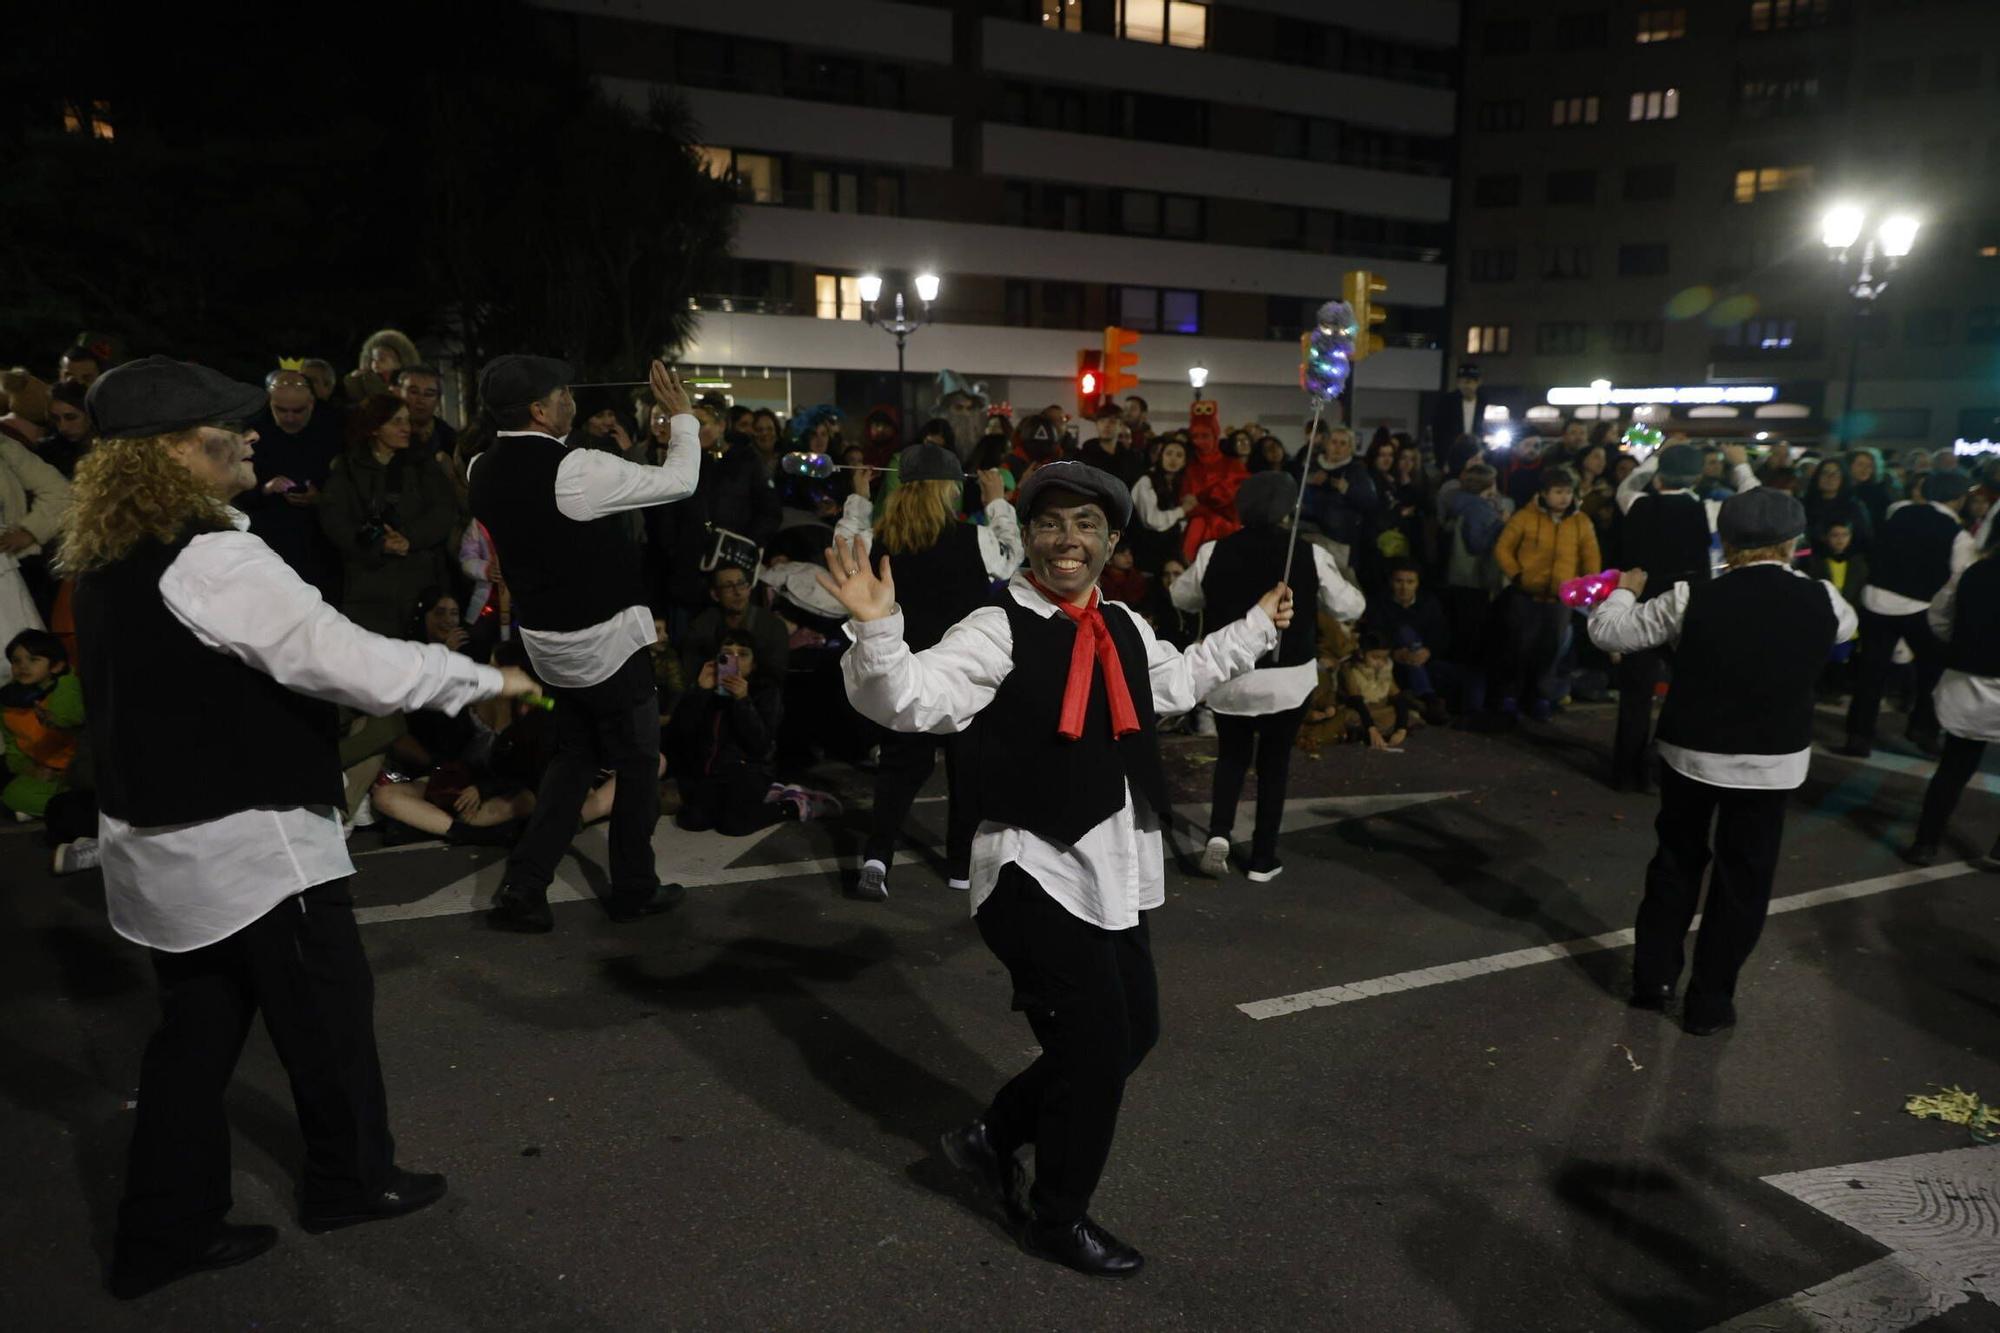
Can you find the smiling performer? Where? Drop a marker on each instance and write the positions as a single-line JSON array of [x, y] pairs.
[[1065, 690], [209, 669]]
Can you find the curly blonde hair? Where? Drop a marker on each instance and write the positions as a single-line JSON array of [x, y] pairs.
[[916, 515], [127, 490]]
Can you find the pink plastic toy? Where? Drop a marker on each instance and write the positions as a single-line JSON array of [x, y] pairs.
[[1590, 589]]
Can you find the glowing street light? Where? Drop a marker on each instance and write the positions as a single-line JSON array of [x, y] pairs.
[[1197, 378], [1898, 235], [871, 288], [1841, 227]]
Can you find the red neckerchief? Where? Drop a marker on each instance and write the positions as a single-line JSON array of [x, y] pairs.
[[1093, 647]]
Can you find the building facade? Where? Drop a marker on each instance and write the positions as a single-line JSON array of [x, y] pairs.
[[1642, 194], [1203, 173]]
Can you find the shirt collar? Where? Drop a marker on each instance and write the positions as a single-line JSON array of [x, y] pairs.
[[237, 518], [1028, 595], [509, 434]]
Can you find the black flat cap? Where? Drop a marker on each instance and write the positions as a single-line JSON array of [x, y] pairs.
[[1266, 498], [1680, 465], [156, 395], [517, 379], [1761, 516], [1072, 474], [1944, 487], [928, 462]]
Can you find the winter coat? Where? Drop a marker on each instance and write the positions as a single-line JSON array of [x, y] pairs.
[[411, 494], [1540, 551]]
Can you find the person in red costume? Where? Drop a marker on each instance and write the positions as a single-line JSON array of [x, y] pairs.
[[1213, 478]]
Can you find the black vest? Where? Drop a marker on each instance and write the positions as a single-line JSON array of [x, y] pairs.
[[181, 733], [1912, 556], [1975, 621], [1030, 777], [1247, 564], [1667, 536], [1751, 647], [938, 587], [564, 575]]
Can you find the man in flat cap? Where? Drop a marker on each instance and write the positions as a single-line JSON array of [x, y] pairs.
[[579, 587], [1666, 532], [1058, 694], [210, 671], [1735, 738]]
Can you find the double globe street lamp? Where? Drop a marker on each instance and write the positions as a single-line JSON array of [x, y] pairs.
[[1888, 240], [901, 324]]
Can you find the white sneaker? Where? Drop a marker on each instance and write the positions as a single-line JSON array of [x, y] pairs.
[[1201, 722], [1215, 858], [1267, 874], [962, 885], [874, 882], [72, 857]]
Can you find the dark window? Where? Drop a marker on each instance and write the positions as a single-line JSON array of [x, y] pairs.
[[1152, 310], [1288, 136], [887, 194], [1160, 119], [1564, 337], [1017, 302], [1772, 333], [1496, 191], [1583, 32], [1897, 423], [1572, 187], [1139, 212], [1015, 210], [1494, 265], [1927, 328], [1508, 37], [833, 79], [1566, 262], [1062, 305], [1654, 181], [1181, 217], [1871, 330], [1979, 423], [1507, 115], [1180, 312], [1642, 261], [889, 87], [1765, 94], [1637, 335], [1579, 110], [1891, 78], [1014, 103], [1982, 325]]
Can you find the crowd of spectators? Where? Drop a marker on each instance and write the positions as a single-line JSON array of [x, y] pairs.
[[1458, 547]]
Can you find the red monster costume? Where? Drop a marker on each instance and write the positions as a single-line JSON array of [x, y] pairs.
[[1213, 479]]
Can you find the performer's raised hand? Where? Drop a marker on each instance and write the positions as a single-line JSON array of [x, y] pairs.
[[866, 595], [1277, 604], [668, 391]]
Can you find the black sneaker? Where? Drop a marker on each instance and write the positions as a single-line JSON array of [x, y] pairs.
[[645, 902]]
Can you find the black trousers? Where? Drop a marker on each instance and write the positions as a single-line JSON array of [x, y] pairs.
[[1091, 996], [906, 765], [1749, 826], [1638, 673], [302, 966], [1955, 768], [1878, 646], [730, 801], [613, 724], [1271, 737]]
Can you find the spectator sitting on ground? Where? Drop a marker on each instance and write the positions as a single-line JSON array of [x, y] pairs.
[[1414, 625], [723, 741], [389, 514], [1378, 709], [41, 711], [668, 682], [730, 587]]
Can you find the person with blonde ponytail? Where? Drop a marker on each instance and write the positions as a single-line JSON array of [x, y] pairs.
[[945, 569]]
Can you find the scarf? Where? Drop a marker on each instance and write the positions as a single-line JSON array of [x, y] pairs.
[[1093, 648]]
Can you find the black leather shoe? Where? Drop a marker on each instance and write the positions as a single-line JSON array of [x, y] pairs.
[[1920, 853], [1084, 1246], [410, 1191], [645, 902], [970, 1149], [132, 1277], [525, 910], [1855, 749], [1656, 998], [1702, 1020]]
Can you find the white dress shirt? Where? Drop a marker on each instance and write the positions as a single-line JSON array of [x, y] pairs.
[[591, 483], [181, 886], [1118, 869], [1273, 689], [1620, 624], [1000, 548], [1741, 478], [1146, 505], [1882, 602], [1967, 705]]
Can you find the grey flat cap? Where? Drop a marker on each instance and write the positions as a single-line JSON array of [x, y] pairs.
[[1763, 516], [156, 395], [1071, 474], [928, 462]]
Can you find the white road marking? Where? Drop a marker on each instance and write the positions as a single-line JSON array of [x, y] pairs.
[[1939, 1214], [1909, 765], [1551, 953], [704, 860]]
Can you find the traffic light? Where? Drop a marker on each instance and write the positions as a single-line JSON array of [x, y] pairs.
[[1121, 361], [1089, 381], [1361, 287]]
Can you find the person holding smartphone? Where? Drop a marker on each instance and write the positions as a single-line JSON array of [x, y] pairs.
[[722, 743]]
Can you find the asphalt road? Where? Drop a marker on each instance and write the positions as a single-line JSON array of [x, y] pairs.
[[726, 1118]]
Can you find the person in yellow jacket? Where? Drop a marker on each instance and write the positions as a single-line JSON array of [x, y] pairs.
[[1543, 546]]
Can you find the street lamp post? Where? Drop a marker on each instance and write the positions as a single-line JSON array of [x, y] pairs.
[[901, 325], [1197, 379], [1888, 242]]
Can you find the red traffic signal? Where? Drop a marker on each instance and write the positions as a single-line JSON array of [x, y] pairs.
[[1089, 380]]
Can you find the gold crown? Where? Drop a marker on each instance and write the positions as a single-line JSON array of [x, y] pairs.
[[291, 363]]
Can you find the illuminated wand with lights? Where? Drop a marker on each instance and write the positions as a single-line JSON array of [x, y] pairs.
[[1327, 362]]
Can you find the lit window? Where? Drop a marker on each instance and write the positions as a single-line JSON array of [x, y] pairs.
[[1063, 15], [1657, 104], [836, 192], [1573, 111], [755, 174], [1489, 340], [836, 297], [1779, 15], [92, 118], [1752, 182], [1661, 25], [1180, 312], [1173, 22]]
